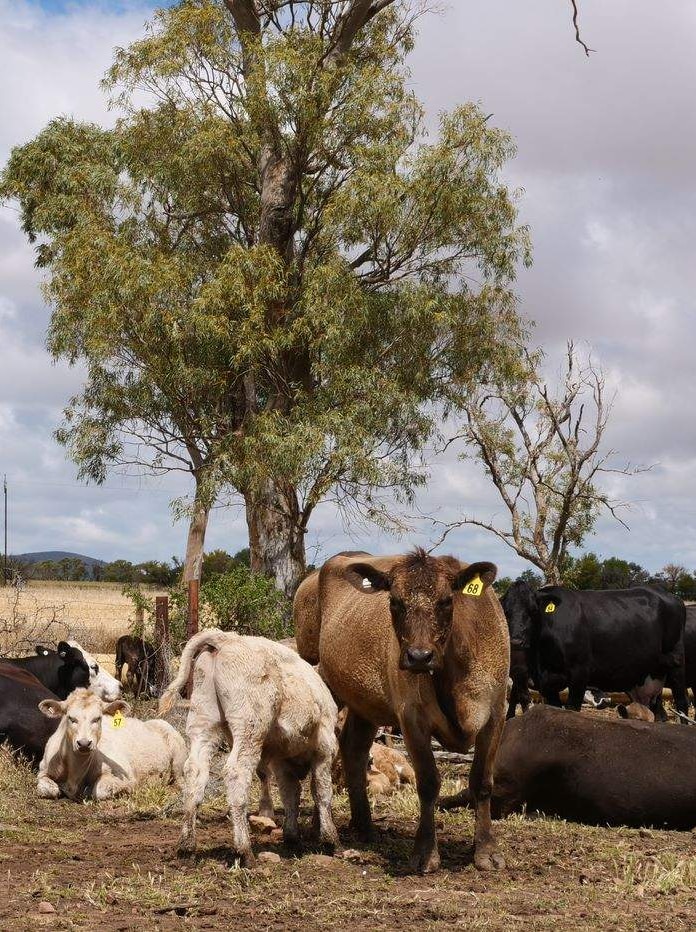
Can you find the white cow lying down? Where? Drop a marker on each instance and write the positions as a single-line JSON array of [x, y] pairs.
[[97, 751], [275, 711]]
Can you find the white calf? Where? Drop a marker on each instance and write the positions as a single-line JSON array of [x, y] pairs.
[[275, 711], [97, 751]]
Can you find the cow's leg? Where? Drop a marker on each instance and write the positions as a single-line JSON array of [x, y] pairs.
[[417, 737], [109, 786], [47, 788], [290, 792], [513, 701], [240, 768], [676, 680], [355, 743], [266, 800], [576, 694], [196, 775], [322, 793], [553, 698], [486, 855]]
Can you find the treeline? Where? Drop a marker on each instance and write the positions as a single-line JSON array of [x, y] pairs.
[[154, 572], [591, 572]]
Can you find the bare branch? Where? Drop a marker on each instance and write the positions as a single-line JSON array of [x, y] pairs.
[[577, 29]]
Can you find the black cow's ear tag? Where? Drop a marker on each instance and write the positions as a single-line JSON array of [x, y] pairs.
[[550, 608], [473, 587]]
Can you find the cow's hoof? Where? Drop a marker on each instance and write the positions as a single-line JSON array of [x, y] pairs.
[[489, 860], [424, 862]]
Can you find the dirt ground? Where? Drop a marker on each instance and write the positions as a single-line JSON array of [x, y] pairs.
[[113, 867]]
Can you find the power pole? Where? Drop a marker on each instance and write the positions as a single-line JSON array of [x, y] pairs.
[[4, 571]]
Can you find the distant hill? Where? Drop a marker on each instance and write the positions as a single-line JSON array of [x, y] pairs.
[[41, 556], [56, 555]]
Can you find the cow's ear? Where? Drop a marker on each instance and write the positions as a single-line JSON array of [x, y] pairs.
[[378, 581], [111, 708], [52, 708], [475, 579], [63, 649]]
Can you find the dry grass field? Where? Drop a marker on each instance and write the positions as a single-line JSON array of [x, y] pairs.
[[95, 614]]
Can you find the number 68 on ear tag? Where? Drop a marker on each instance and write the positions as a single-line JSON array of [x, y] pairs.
[[473, 587], [118, 720]]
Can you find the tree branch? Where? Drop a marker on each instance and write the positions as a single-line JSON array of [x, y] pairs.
[[578, 38]]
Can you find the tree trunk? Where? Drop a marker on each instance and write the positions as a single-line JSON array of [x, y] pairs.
[[198, 523], [276, 534]]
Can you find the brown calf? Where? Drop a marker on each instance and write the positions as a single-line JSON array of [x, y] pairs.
[[420, 642]]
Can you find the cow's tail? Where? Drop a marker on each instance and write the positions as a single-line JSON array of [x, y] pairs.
[[212, 639]]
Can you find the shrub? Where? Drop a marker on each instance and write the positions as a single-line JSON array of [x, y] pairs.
[[247, 603]]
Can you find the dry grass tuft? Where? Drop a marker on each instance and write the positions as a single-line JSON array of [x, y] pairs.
[[659, 874]]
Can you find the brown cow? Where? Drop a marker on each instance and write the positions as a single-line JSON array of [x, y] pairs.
[[420, 642], [636, 711]]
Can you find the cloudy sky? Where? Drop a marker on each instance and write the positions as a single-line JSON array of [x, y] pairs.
[[606, 149]]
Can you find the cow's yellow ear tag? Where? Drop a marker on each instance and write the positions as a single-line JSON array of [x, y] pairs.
[[550, 608], [118, 720], [474, 586]]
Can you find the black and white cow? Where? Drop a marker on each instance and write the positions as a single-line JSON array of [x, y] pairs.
[[68, 667], [620, 640]]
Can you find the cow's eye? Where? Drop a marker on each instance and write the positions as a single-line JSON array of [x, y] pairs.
[[95, 669], [446, 602], [73, 721], [95, 720]]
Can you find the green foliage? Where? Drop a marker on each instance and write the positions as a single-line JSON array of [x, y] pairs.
[[219, 561], [532, 578], [323, 353], [247, 603], [502, 585]]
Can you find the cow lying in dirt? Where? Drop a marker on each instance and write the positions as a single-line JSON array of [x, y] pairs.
[[276, 713], [97, 751], [387, 770], [597, 771]]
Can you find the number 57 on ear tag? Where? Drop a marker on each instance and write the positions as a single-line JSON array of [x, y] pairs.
[[118, 720], [473, 587]]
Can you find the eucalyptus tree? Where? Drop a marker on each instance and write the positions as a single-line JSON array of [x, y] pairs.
[[271, 249]]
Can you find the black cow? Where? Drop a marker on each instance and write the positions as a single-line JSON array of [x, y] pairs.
[[690, 651], [620, 640], [600, 771], [139, 654], [21, 723], [60, 671], [519, 605]]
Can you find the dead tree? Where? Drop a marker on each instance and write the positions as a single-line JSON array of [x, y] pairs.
[[543, 453]]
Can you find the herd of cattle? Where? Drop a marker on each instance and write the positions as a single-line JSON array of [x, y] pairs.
[[415, 643]]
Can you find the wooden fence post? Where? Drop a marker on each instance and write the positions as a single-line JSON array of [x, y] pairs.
[[163, 649], [192, 622]]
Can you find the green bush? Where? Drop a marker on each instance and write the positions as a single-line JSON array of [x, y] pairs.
[[247, 603]]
